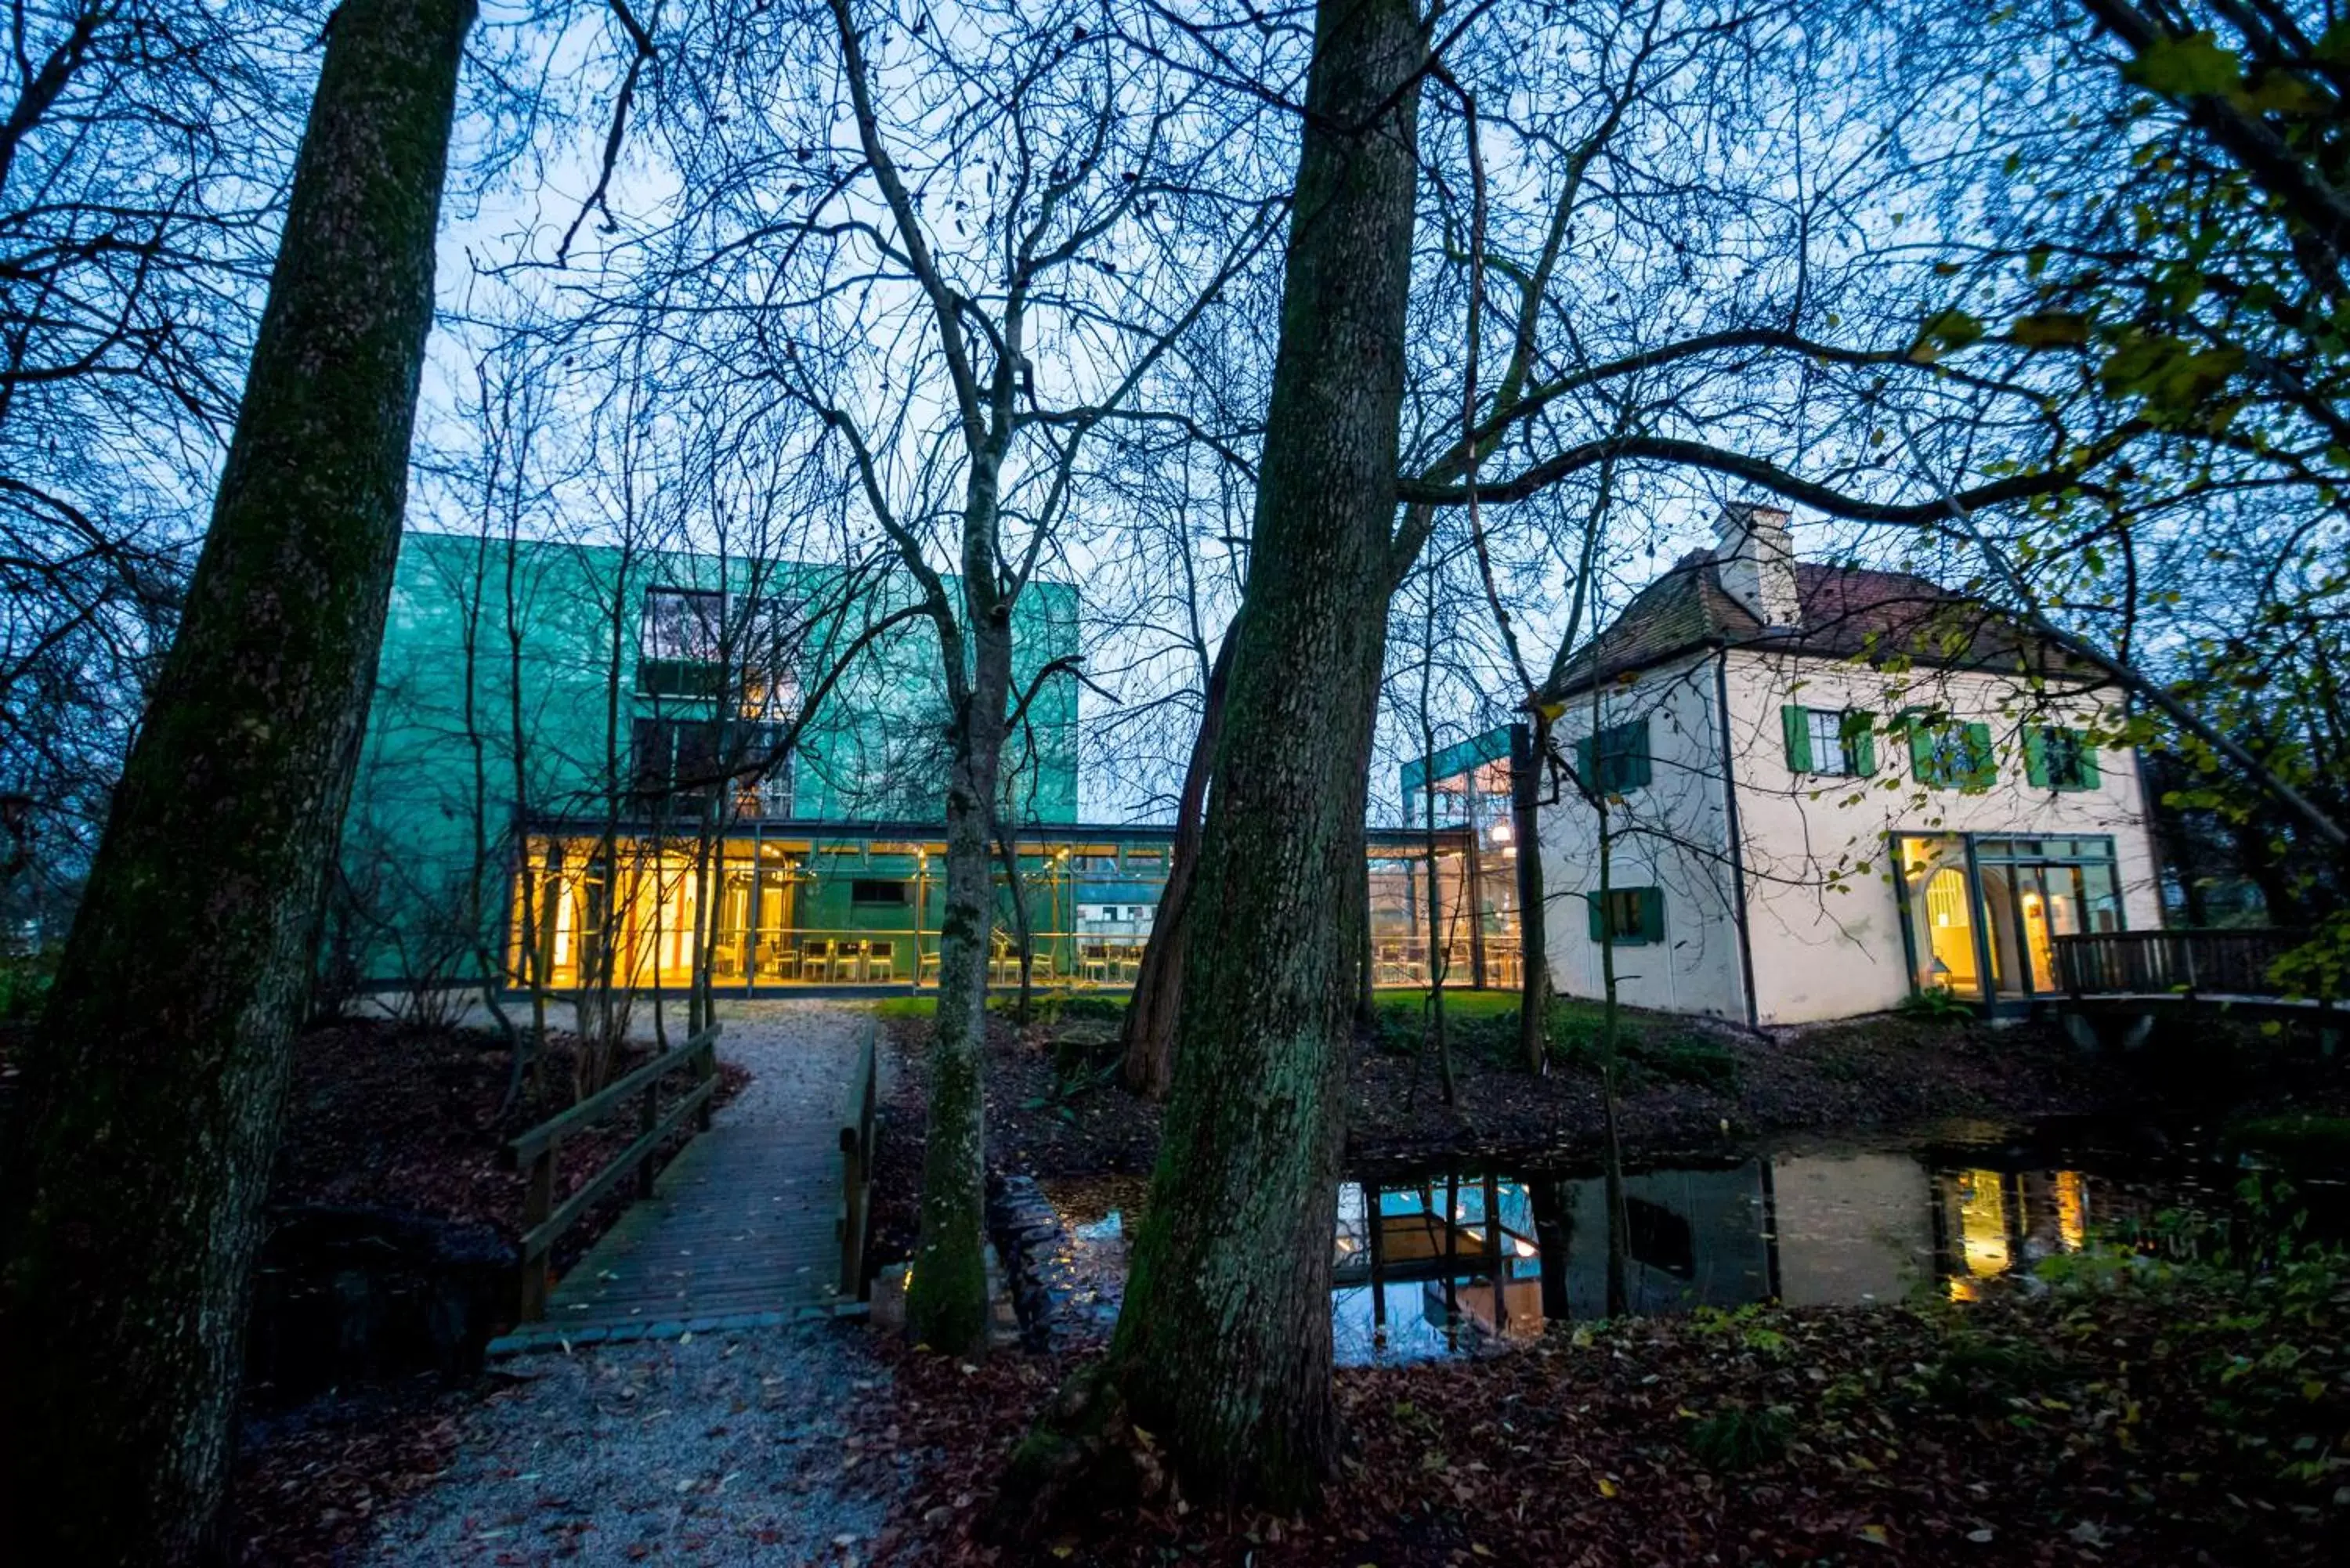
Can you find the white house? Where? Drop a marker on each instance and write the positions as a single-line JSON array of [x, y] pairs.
[[1830, 788]]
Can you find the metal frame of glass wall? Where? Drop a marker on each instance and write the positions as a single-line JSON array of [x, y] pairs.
[[1980, 911], [1471, 788], [818, 904]]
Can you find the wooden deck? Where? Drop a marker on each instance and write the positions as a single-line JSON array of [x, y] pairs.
[[742, 1230]]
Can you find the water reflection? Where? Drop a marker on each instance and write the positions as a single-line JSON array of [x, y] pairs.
[[1452, 1261], [1449, 1263]]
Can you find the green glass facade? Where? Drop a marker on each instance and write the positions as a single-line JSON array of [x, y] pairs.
[[571, 775], [591, 685]]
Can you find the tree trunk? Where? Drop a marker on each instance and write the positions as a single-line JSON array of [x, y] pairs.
[[1528, 746], [1149, 1030], [152, 1102], [1222, 1348], [946, 1294]]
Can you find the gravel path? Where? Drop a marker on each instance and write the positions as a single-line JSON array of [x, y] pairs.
[[712, 1449]]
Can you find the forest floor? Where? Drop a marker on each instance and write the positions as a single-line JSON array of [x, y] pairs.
[[2123, 1410], [2133, 1413]]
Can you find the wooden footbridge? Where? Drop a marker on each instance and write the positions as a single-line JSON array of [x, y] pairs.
[[2135, 976], [760, 1220]]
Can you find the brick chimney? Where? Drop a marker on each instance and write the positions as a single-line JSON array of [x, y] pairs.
[[1757, 563]]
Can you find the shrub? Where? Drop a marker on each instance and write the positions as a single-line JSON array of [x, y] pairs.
[[1937, 1005], [1981, 1373], [1738, 1438], [24, 983], [2303, 1142], [1688, 1059]]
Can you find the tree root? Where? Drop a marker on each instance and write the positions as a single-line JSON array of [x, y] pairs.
[[1084, 1450]]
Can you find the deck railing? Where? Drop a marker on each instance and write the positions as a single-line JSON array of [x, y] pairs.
[[2189, 963], [545, 1221], [857, 1169]]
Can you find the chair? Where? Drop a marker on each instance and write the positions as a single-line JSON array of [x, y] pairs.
[[880, 963], [778, 959], [815, 960], [926, 968], [1093, 962]]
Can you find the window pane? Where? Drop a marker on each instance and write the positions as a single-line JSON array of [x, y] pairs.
[[2103, 906], [1828, 753], [682, 624], [1942, 915], [2001, 918]]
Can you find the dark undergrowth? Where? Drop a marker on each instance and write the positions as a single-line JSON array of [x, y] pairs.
[[2132, 1412]]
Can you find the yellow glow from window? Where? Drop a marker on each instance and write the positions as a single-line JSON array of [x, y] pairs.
[[1983, 1223], [2072, 1210]]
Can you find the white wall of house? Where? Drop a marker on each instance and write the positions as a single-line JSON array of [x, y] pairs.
[[1672, 835], [1822, 905], [1823, 901]]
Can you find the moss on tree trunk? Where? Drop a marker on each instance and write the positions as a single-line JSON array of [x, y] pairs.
[[152, 1102], [1222, 1349], [946, 1298]]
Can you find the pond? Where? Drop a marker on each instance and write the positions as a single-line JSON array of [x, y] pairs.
[[1455, 1261]]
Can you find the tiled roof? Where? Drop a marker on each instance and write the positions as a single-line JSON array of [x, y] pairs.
[[1847, 611]]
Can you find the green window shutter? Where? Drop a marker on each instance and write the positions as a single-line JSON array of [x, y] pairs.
[[1597, 908], [2088, 777], [1921, 757], [2035, 756], [1583, 768], [1982, 768], [1860, 735], [1797, 727], [1635, 764], [1652, 914]]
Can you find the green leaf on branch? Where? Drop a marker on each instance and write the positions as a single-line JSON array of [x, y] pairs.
[[2050, 329], [1943, 332], [2192, 67]]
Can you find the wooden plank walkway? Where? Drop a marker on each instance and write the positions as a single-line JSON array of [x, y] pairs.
[[742, 1228]]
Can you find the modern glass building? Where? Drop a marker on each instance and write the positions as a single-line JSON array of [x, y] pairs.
[[576, 770]]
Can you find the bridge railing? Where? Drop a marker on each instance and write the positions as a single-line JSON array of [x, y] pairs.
[[543, 1219], [857, 1169], [2152, 963]]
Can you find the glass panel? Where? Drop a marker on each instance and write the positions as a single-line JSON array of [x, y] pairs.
[[1999, 913], [773, 957], [729, 943], [1830, 755], [2102, 904], [2051, 908], [1934, 880]]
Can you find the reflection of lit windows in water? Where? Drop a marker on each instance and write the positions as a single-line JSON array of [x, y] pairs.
[[2072, 1210], [1982, 1222], [1660, 1238]]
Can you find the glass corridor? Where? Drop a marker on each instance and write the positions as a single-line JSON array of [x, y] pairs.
[[783, 905], [1983, 912]]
